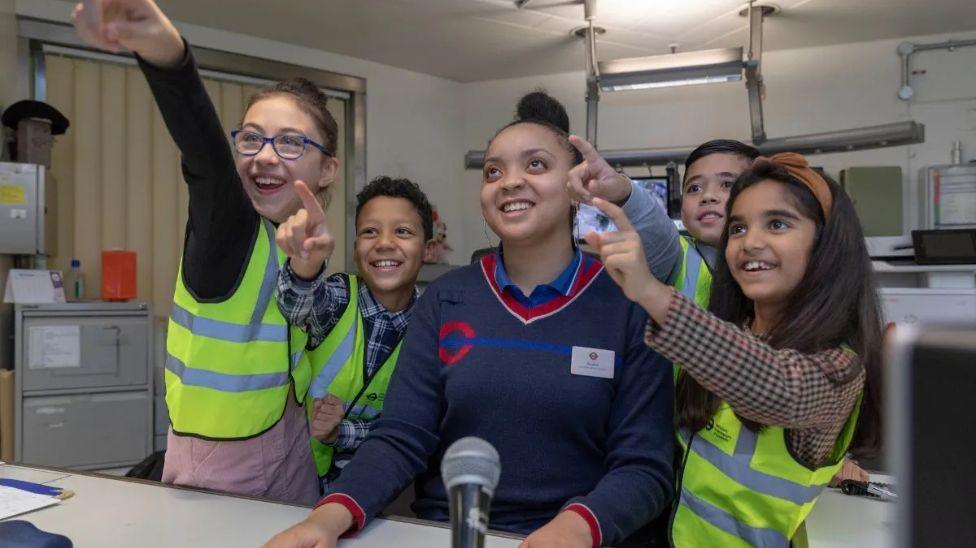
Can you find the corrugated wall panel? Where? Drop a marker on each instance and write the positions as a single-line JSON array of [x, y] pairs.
[[118, 173]]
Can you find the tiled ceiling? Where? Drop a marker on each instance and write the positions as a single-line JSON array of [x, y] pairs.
[[472, 40]]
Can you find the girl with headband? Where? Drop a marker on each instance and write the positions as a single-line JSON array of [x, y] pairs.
[[781, 376]]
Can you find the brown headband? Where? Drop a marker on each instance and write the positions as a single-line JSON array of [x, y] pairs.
[[797, 166]]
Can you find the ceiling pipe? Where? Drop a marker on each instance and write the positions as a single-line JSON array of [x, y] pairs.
[[907, 49], [592, 72], [865, 138], [754, 80]]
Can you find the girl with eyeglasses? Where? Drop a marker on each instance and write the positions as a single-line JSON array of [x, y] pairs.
[[236, 372]]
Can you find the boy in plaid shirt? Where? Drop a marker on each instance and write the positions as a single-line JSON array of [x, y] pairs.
[[394, 230]]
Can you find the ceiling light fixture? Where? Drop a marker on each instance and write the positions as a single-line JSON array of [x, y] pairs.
[[673, 69], [703, 67]]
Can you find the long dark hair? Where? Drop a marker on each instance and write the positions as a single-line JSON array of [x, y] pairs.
[[834, 304]]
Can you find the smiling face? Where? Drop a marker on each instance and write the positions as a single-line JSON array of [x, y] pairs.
[[523, 195], [268, 179], [705, 191], [769, 243], [390, 245]]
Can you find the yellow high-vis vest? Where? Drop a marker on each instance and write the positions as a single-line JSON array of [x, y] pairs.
[[231, 364], [737, 487], [337, 369], [694, 279], [743, 488]]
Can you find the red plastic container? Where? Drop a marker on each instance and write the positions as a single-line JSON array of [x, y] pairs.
[[118, 275]]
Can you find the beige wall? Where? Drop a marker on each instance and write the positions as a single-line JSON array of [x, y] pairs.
[[809, 90]]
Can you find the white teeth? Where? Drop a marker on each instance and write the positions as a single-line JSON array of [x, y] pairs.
[[386, 264], [752, 266], [516, 206], [268, 181]]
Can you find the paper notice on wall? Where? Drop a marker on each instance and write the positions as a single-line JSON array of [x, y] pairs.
[[54, 346], [958, 200]]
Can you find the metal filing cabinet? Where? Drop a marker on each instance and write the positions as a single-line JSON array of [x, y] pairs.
[[84, 384]]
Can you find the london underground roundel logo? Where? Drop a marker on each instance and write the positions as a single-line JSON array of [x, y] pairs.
[[452, 348]]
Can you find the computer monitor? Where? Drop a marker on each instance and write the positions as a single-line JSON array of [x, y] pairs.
[[589, 218], [931, 421]]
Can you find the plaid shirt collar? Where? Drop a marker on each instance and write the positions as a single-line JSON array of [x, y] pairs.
[[371, 309]]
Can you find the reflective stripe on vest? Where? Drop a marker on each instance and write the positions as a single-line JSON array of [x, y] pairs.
[[694, 278], [689, 283], [756, 536], [693, 282], [234, 353], [745, 483], [337, 368], [227, 382], [738, 467], [226, 331]]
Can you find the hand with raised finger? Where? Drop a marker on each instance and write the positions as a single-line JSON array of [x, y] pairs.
[[134, 25], [327, 413], [623, 256], [594, 178], [305, 236]]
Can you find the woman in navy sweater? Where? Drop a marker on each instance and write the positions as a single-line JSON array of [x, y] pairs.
[[535, 350]]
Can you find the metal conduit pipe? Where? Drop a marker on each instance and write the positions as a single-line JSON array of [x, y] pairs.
[[887, 135], [907, 49]]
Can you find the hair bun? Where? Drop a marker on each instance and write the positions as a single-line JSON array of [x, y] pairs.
[[539, 106]]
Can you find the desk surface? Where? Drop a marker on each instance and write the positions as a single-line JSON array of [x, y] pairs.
[[844, 520], [107, 511], [112, 512]]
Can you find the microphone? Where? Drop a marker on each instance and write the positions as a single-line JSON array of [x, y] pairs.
[[470, 470]]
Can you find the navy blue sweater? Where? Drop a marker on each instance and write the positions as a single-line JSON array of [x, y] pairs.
[[477, 362]]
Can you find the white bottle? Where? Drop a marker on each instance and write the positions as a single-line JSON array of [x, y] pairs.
[[75, 282]]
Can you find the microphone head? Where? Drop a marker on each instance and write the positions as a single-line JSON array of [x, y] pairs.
[[471, 460]]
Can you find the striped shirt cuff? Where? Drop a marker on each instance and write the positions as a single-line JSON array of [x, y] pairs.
[[358, 515], [584, 512]]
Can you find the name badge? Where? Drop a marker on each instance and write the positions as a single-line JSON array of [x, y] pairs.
[[592, 362]]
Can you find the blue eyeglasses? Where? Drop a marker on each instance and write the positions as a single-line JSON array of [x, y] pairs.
[[288, 146]]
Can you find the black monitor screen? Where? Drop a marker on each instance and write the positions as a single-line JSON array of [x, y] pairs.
[[940, 453], [949, 244]]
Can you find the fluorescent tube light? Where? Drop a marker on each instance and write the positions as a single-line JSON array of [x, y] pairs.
[[674, 69]]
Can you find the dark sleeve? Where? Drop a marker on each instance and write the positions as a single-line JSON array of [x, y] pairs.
[[406, 434], [638, 485], [222, 223]]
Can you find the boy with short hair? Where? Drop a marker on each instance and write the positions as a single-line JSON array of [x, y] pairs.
[[683, 261], [355, 323]]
